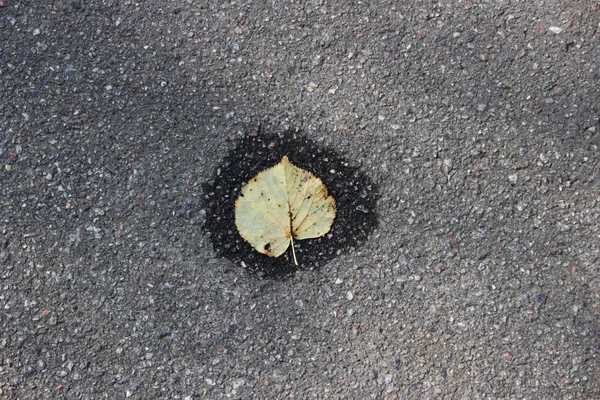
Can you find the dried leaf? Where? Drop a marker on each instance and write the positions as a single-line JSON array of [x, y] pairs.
[[280, 204]]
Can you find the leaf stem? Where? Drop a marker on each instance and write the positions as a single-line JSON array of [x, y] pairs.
[[293, 251]]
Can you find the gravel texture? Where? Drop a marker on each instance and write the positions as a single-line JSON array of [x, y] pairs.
[[476, 123]]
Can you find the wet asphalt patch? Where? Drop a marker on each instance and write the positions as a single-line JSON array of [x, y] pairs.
[[355, 194]]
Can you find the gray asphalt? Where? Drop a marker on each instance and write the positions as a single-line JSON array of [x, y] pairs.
[[477, 120]]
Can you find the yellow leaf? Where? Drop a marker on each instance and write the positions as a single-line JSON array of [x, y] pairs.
[[280, 204]]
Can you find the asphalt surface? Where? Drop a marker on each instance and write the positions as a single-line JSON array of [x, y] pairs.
[[475, 122]]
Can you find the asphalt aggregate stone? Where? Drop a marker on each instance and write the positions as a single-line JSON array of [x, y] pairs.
[[475, 124]]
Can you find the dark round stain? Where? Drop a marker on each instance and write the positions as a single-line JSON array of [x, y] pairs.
[[355, 195]]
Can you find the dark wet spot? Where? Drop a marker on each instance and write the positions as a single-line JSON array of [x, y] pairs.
[[350, 187]]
